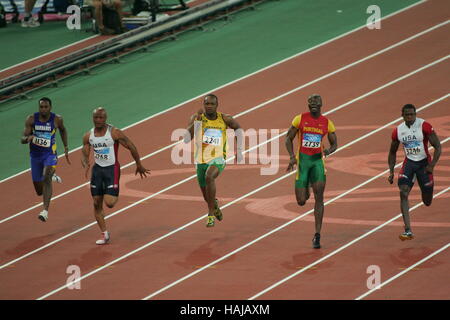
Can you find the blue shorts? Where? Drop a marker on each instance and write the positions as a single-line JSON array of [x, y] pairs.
[[39, 162], [415, 170]]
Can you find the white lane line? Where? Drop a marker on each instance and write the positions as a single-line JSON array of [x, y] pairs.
[[404, 271], [265, 236], [341, 248], [223, 207], [192, 177], [264, 104], [243, 78]]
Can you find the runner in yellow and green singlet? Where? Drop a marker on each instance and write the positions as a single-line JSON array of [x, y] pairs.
[[208, 127], [311, 127]]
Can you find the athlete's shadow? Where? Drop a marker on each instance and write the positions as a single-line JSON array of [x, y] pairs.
[[30, 245], [302, 260], [92, 259], [408, 256], [202, 256]]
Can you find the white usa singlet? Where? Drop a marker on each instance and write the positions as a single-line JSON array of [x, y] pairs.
[[414, 139], [105, 148]]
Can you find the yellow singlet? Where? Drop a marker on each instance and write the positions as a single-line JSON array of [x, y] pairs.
[[213, 139]]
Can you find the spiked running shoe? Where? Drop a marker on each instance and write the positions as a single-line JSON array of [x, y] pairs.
[[43, 216], [407, 235], [105, 238], [210, 222], [316, 241]]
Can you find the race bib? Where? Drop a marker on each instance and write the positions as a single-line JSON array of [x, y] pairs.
[[42, 141], [311, 140], [412, 147], [101, 154], [212, 137]]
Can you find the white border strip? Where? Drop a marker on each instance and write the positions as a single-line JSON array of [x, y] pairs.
[[45, 54]]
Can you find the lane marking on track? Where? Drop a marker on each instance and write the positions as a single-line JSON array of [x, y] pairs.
[[231, 203], [143, 200], [266, 235], [342, 247], [412, 267], [244, 77], [193, 176], [257, 107]]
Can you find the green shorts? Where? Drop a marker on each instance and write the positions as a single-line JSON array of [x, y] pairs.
[[203, 167], [310, 169]]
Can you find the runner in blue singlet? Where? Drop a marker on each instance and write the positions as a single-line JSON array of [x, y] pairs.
[[39, 133]]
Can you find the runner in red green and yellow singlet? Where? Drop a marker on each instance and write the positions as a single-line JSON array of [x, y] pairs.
[[311, 127]]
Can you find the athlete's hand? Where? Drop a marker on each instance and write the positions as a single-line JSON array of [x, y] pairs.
[[391, 178], [199, 114], [142, 171], [86, 166], [66, 152], [429, 169], [292, 164], [30, 138]]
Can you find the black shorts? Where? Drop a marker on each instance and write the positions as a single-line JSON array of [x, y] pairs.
[[105, 180], [412, 170]]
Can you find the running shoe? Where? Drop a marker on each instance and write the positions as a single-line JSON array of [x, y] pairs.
[[30, 23], [218, 213], [105, 238], [407, 235], [316, 241], [210, 222], [56, 178], [43, 216]]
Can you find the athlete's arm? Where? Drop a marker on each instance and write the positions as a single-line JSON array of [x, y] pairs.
[[292, 132], [391, 159], [434, 141], [332, 139], [63, 132], [196, 117], [119, 136], [233, 124], [85, 151], [28, 131]]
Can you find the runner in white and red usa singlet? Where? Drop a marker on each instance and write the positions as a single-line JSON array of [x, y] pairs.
[[105, 140], [414, 134]]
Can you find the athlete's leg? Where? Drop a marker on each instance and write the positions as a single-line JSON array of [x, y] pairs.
[[99, 213], [318, 189], [110, 200], [404, 205], [302, 183], [426, 184], [211, 174], [302, 195], [47, 185], [111, 180], [405, 184], [38, 186], [37, 168], [204, 193]]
